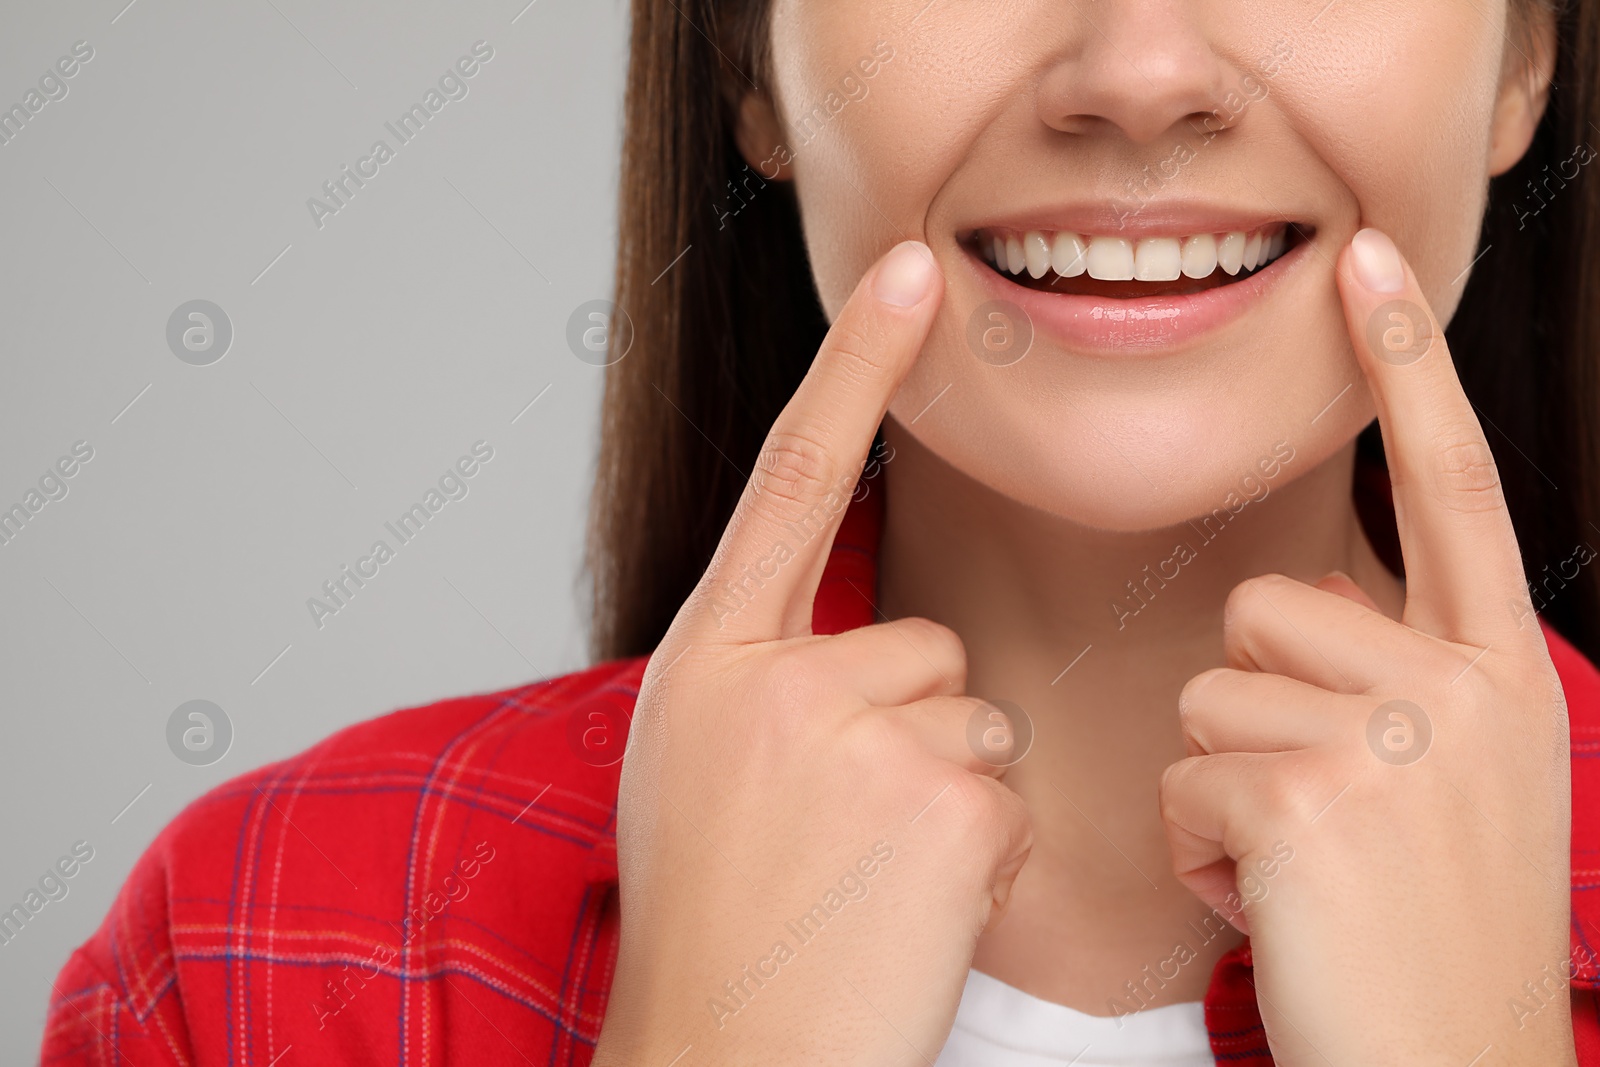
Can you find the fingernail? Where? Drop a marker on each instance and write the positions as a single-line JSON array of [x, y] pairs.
[[905, 276], [1377, 261]]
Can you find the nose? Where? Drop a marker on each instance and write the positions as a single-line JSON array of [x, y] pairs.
[[1140, 66]]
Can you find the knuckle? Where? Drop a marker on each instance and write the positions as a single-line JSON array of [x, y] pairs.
[[789, 684], [1247, 611], [1240, 615], [1240, 605], [1009, 831], [1189, 695], [1022, 821], [850, 353], [1191, 713], [977, 812], [874, 742], [1169, 789], [1468, 479], [938, 641], [1291, 789], [792, 469], [978, 830]]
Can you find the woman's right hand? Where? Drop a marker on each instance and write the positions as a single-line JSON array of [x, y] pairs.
[[808, 845]]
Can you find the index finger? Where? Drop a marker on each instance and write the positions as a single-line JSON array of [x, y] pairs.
[[1463, 566], [764, 574]]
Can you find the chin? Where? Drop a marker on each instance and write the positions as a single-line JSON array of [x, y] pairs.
[[1134, 459]]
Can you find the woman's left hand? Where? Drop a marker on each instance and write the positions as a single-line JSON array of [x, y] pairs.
[[1391, 800]]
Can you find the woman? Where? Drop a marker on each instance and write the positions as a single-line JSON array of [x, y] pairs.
[[991, 485]]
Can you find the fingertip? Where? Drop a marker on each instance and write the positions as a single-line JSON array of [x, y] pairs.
[[1375, 261], [1334, 581], [906, 276], [1390, 321], [1341, 584], [1191, 688]]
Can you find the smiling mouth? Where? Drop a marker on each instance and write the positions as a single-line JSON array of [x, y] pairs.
[[1131, 268]]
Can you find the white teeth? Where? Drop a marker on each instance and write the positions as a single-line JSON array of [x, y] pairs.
[[1015, 259], [1036, 250], [1230, 253], [1146, 259], [1252, 251], [1199, 255], [1157, 259], [1067, 255], [1110, 259]]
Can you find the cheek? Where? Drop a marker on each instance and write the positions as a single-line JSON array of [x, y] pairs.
[[1398, 102], [871, 153]]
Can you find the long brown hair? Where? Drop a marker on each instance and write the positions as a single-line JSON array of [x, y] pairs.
[[713, 273]]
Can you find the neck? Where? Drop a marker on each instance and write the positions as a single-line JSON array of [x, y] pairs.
[[1093, 633]]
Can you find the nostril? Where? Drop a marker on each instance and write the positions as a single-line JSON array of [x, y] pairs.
[[1209, 123]]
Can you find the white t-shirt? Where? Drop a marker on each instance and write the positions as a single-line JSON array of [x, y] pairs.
[[1001, 1026]]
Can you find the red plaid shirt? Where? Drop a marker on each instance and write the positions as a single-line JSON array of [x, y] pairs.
[[438, 887]]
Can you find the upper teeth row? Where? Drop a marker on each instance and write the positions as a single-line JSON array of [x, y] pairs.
[[1145, 259]]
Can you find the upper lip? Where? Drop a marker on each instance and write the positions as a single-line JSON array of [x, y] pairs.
[[1124, 217]]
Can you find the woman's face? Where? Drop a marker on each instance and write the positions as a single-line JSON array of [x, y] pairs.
[[1148, 130]]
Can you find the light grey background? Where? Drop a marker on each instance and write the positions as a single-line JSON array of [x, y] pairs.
[[368, 355]]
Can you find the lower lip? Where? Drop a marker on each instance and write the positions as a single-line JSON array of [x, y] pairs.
[[1103, 325]]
